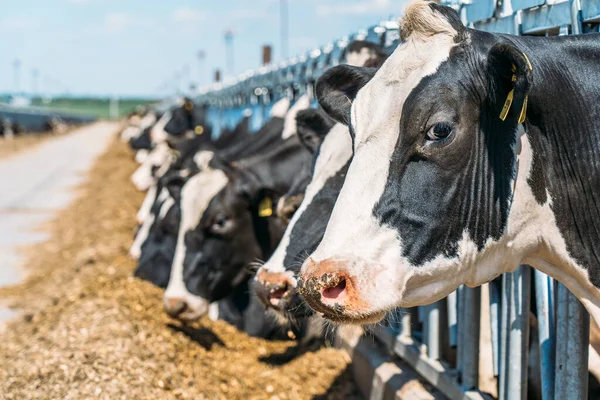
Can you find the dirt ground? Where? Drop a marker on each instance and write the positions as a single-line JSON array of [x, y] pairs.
[[90, 330]]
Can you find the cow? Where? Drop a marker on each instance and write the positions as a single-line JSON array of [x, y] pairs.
[[221, 228], [187, 120], [159, 215], [472, 154], [332, 149], [138, 125], [275, 281]]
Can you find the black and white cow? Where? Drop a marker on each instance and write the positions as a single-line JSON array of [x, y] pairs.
[[473, 153], [332, 149], [159, 215], [222, 229]]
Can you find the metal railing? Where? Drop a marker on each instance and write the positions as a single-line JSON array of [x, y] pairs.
[[442, 341]]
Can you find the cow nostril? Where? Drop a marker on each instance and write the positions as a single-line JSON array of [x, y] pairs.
[[335, 292]]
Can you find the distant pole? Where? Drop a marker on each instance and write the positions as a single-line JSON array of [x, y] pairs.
[[113, 107], [201, 57], [185, 78], [284, 26], [35, 75], [176, 82], [17, 76], [229, 51]]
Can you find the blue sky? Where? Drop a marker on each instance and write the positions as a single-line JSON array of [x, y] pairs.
[[132, 47]]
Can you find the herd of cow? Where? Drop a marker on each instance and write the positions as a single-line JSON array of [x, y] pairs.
[[460, 156], [215, 208]]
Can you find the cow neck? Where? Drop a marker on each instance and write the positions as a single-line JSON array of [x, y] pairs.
[[562, 127], [272, 169]]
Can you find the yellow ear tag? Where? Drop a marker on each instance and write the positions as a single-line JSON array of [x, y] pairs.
[[522, 116], [265, 207], [507, 104], [175, 152], [528, 62], [188, 106], [199, 130]]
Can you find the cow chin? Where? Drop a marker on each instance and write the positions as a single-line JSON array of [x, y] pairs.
[[350, 291]]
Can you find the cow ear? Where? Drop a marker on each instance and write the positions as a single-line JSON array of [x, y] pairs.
[[337, 88], [312, 126], [509, 73]]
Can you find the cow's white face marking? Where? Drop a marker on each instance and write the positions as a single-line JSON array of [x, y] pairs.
[[203, 158], [148, 120], [136, 248], [280, 108], [161, 156], [129, 133], [354, 236], [334, 153], [141, 156], [289, 124], [158, 133], [146, 204], [195, 198]]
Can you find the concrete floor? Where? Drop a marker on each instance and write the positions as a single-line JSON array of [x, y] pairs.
[[37, 183]]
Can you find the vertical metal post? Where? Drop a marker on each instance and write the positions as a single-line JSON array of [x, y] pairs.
[[452, 317], [433, 330], [544, 298], [405, 320], [572, 346], [460, 343], [424, 317], [504, 336], [470, 343], [576, 18], [514, 352], [495, 323]]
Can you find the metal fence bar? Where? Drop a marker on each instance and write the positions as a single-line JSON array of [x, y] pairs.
[[433, 330], [495, 323], [504, 324], [405, 322], [544, 298], [451, 304], [572, 346], [460, 296], [515, 334], [470, 345]]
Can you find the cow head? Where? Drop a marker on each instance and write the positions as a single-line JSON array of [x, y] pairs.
[[187, 120], [275, 281], [226, 224], [237, 228], [427, 200]]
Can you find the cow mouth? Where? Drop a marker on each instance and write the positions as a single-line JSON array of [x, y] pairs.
[[364, 319], [277, 295]]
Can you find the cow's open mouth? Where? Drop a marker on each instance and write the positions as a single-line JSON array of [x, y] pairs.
[[277, 294]]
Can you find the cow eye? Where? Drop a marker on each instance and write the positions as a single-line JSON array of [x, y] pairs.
[[439, 131], [221, 223]]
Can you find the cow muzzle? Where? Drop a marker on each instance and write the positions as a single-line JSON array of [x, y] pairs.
[[183, 310], [330, 288], [274, 288]]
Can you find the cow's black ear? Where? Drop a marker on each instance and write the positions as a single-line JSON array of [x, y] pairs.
[[337, 88], [312, 126], [509, 73]]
